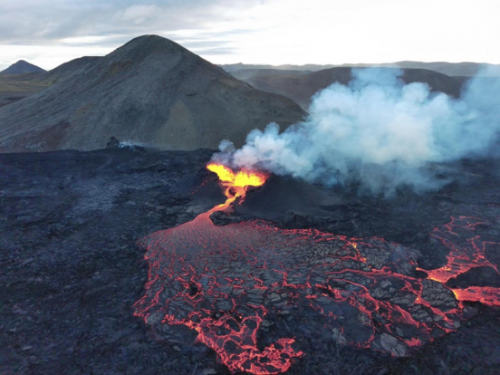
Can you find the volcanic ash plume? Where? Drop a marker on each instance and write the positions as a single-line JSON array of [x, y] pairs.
[[377, 131]]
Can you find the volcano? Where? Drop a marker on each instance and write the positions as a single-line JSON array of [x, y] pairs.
[[226, 282], [150, 91], [129, 260]]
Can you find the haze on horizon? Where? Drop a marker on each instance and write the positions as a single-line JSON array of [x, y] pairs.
[[49, 33]]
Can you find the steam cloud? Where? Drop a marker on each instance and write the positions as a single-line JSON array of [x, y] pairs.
[[378, 132]]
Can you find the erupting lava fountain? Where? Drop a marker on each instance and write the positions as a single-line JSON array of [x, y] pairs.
[[235, 184]]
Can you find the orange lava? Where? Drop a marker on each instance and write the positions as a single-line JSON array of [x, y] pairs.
[[463, 257], [235, 184], [206, 278]]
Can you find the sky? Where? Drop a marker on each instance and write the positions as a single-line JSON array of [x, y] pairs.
[[48, 33]]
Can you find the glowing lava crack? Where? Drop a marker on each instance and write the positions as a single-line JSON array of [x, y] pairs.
[[226, 283]]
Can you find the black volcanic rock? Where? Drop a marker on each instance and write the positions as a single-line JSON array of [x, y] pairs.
[[151, 91], [113, 142], [22, 67], [479, 276]]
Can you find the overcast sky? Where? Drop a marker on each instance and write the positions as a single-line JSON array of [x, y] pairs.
[[50, 32]]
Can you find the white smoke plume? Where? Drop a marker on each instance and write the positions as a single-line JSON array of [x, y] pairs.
[[378, 132]]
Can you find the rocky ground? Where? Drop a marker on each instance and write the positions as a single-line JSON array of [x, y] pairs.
[[72, 268]]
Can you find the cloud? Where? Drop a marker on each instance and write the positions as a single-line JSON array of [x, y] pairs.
[[51, 32], [259, 31], [43, 21], [139, 14]]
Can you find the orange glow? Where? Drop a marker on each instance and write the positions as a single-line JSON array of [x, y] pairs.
[[240, 179], [486, 295], [236, 184]]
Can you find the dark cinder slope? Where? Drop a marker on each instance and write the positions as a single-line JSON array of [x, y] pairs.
[[22, 67], [300, 86], [68, 69], [150, 91]]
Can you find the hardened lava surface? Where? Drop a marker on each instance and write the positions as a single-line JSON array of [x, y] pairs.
[[72, 273], [224, 282]]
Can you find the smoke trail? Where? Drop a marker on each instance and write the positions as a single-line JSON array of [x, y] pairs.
[[377, 131]]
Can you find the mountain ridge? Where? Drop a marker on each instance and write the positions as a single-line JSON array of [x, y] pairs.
[[300, 86], [451, 69], [150, 91]]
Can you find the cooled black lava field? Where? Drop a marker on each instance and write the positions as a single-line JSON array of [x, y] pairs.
[[115, 262]]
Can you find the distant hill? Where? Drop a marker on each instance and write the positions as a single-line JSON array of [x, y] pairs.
[[150, 91], [301, 86], [451, 69], [19, 81], [22, 67], [464, 79], [14, 87], [308, 68], [468, 69]]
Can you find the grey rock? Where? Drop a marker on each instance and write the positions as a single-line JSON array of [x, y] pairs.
[[393, 345], [438, 295], [113, 142]]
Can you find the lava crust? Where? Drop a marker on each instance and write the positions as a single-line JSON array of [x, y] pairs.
[[364, 285], [225, 281]]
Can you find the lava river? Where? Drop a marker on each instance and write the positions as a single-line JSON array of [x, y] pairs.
[[251, 291]]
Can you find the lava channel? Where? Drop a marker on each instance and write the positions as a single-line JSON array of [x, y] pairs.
[[250, 290]]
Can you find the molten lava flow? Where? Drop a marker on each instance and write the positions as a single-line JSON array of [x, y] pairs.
[[236, 184], [463, 256], [246, 289]]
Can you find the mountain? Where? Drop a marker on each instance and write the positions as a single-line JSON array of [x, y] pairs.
[[451, 69], [68, 69], [301, 86], [150, 91], [22, 67]]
